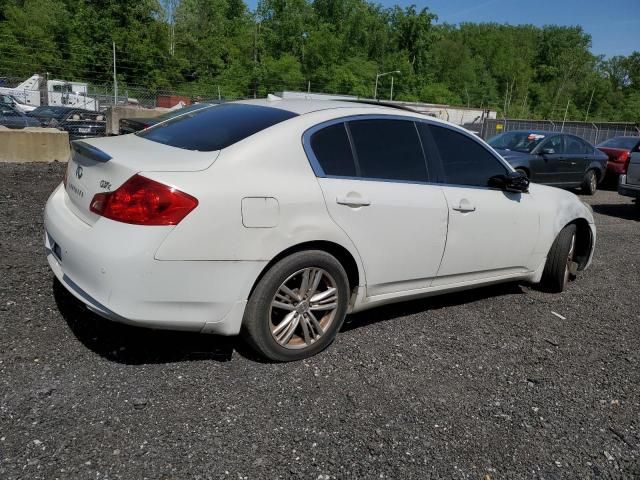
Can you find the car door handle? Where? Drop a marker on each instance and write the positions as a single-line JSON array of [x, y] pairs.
[[465, 206], [353, 201]]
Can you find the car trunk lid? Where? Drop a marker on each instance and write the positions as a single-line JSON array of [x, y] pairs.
[[100, 165]]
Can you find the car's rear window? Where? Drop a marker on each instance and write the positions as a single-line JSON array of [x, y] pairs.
[[217, 127]]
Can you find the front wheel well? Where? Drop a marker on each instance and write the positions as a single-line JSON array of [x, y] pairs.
[[584, 242], [338, 251]]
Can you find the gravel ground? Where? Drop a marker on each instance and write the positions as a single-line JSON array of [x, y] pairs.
[[487, 384]]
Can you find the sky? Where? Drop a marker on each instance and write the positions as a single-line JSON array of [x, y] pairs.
[[613, 24]]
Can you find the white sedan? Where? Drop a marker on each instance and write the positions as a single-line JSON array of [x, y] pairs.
[[276, 218]]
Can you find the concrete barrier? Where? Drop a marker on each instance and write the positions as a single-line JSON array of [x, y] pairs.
[[33, 144], [114, 114]]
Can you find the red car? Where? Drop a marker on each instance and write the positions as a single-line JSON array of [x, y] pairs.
[[618, 150]]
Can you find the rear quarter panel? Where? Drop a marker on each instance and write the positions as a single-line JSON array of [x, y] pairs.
[[270, 164]]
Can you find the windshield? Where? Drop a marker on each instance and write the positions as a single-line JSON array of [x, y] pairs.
[[210, 129], [626, 143], [517, 141], [50, 112]]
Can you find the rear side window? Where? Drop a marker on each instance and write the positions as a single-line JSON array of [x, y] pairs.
[[217, 127], [576, 146], [332, 150], [464, 161], [388, 149]]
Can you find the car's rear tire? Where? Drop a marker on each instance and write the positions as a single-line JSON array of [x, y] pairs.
[[297, 307], [560, 267], [590, 183]]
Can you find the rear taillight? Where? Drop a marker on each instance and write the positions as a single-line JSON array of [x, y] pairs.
[[624, 158], [142, 201]]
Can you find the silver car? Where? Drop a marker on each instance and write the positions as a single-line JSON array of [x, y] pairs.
[[630, 183]]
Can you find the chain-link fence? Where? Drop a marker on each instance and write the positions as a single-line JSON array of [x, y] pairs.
[[593, 132]]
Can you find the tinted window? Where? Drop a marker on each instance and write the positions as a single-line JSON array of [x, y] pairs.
[[217, 127], [586, 146], [464, 160], [388, 149], [574, 146], [518, 141], [331, 147], [7, 111], [556, 144]]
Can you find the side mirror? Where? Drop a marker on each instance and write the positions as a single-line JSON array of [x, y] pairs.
[[516, 182], [547, 151]]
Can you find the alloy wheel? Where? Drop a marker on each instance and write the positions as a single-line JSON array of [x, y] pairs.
[[303, 308]]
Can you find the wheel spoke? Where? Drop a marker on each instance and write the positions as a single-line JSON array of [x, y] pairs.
[[281, 305], [319, 297], [315, 281], [286, 336], [305, 283], [288, 293], [329, 306], [284, 323], [314, 322], [305, 329]]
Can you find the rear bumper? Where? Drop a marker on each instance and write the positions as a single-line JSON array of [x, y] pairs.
[[626, 189], [615, 169], [111, 268]]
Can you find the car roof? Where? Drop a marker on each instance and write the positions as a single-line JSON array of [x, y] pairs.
[[538, 132], [303, 106]]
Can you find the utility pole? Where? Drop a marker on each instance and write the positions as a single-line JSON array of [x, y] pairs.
[[391, 95], [589, 107], [378, 75], [115, 78], [565, 115]]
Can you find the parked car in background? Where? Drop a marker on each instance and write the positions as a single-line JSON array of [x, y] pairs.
[[83, 124], [629, 184], [618, 149], [12, 118], [15, 103], [50, 116], [132, 125], [79, 123], [276, 218], [552, 158]]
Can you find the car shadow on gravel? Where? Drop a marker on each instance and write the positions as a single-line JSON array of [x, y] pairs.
[[625, 211], [136, 346], [396, 310]]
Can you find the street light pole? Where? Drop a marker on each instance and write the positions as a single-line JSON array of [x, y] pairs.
[[391, 95], [378, 75]]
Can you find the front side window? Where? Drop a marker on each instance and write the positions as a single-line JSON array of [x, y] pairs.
[[388, 149], [464, 160], [215, 128], [554, 143]]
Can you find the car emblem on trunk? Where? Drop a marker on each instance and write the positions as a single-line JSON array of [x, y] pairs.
[[79, 172]]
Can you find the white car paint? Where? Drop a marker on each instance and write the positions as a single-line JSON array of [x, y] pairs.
[[258, 198]]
